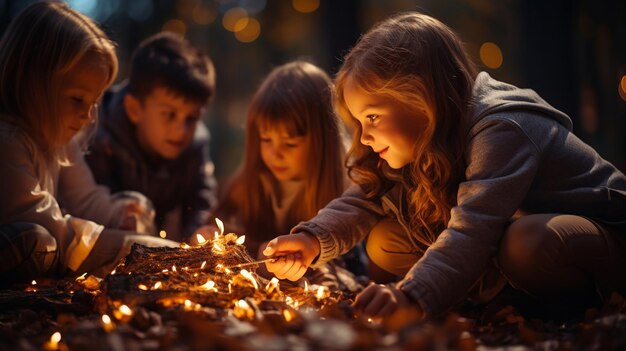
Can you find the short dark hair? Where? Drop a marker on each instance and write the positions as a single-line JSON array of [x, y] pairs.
[[170, 61]]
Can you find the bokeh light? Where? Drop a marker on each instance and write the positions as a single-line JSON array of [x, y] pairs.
[[305, 6], [491, 55], [175, 26], [232, 16], [250, 32]]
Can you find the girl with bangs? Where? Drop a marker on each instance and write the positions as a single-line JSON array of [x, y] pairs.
[[464, 185], [293, 163], [54, 65]]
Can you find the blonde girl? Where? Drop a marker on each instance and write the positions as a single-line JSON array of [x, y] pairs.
[[465, 184], [54, 65]]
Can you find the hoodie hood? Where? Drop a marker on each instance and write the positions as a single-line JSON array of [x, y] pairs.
[[490, 96]]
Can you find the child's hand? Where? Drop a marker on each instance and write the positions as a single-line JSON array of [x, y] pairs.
[[297, 252], [378, 301], [129, 217]]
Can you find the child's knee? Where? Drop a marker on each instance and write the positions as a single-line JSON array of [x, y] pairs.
[[389, 247], [29, 250], [527, 244]]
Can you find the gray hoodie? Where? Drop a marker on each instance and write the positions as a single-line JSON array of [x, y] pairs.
[[520, 155]]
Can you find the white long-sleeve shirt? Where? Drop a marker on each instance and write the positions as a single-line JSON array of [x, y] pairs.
[[63, 199]]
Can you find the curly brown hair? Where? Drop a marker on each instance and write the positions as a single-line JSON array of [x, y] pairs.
[[419, 63]]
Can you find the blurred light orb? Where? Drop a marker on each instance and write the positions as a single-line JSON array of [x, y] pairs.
[[305, 6], [250, 32], [622, 88], [175, 26], [491, 55], [232, 16]]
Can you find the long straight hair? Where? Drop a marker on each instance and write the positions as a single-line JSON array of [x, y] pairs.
[[419, 63], [45, 41], [297, 97]]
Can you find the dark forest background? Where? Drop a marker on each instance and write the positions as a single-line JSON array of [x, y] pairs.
[[573, 53]]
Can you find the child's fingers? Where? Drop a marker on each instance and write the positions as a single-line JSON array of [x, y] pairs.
[[378, 302], [299, 274], [283, 243], [363, 299], [287, 263]]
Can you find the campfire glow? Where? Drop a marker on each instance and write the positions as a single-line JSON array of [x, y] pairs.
[[107, 324], [201, 240], [240, 240], [53, 343], [250, 277], [242, 310], [209, 285]]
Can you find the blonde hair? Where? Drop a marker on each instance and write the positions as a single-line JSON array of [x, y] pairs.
[[295, 96], [45, 41], [417, 62]]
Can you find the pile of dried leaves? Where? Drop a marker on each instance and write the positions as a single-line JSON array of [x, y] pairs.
[[197, 299]]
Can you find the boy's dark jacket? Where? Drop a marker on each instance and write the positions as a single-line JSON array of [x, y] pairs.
[[520, 155], [182, 190]]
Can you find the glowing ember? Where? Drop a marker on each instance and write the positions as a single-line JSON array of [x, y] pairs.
[[34, 282], [125, 310], [174, 268], [82, 277], [240, 240], [142, 287], [217, 248], [184, 246], [203, 265], [113, 272], [157, 285], [209, 285], [321, 292], [201, 240], [289, 315], [250, 277], [220, 225], [165, 270], [107, 324], [306, 288], [243, 310], [53, 343]]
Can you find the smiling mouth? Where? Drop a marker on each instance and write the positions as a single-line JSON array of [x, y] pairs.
[[382, 152]]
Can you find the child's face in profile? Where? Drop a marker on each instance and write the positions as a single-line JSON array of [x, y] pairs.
[[81, 87], [166, 122], [284, 155], [386, 127]]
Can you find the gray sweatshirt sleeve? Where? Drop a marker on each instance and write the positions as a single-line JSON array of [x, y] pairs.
[[501, 164], [342, 223]]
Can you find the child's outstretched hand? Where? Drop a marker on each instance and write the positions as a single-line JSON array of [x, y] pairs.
[[297, 252], [379, 301]]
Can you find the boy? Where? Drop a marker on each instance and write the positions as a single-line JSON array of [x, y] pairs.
[[150, 138]]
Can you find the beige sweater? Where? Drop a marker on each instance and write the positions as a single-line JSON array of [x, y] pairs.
[[63, 199]]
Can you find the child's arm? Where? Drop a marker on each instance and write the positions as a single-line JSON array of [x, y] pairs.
[[79, 194], [342, 223], [501, 165], [28, 196]]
